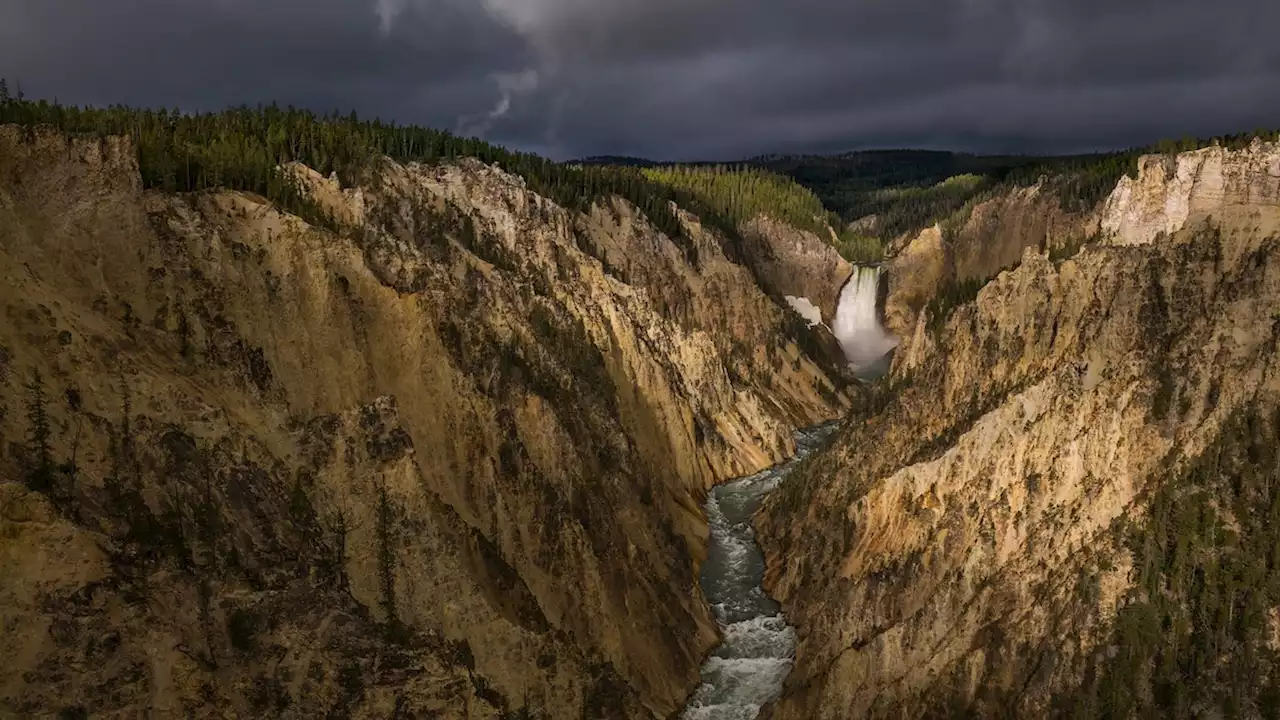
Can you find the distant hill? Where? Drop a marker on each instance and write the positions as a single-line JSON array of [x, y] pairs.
[[883, 194], [898, 186], [887, 168], [888, 193], [618, 160], [896, 191]]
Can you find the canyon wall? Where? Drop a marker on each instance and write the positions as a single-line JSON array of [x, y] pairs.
[[1012, 525], [974, 247], [795, 262], [445, 458]]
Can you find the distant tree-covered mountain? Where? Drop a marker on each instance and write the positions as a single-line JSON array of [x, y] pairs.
[[617, 160]]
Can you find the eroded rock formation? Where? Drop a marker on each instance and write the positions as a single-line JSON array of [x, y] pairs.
[[967, 545], [447, 462]]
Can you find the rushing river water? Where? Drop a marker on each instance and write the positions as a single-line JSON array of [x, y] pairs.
[[748, 668]]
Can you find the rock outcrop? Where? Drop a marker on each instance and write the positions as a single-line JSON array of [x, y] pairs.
[[794, 262], [991, 237], [913, 277], [1240, 188], [984, 538], [449, 461]]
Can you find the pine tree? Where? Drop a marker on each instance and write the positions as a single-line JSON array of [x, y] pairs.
[[39, 436]]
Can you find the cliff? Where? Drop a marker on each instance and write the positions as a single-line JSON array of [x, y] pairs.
[[796, 263], [446, 461], [988, 236], [1239, 188], [1065, 506]]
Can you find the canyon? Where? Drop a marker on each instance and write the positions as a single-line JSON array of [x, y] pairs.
[[463, 450], [450, 460], [1003, 531]]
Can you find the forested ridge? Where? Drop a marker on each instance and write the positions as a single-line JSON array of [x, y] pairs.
[[869, 198], [847, 182], [741, 193], [896, 192], [243, 149]]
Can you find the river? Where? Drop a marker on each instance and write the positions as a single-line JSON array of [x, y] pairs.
[[747, 670]]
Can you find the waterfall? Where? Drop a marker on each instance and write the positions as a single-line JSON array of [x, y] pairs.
[[857, 326]]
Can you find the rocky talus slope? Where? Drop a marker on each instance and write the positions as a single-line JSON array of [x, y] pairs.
[[448, 462], [1065, 503]]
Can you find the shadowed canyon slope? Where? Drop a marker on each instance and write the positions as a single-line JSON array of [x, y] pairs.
[[1063, 502], [448, 462]]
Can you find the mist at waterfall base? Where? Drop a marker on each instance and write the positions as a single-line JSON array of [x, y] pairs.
[[857, 325], [748, 668]]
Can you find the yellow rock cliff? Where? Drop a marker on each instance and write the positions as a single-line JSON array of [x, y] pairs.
[[448, 462]]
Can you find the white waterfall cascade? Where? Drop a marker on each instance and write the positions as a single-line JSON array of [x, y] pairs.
[[857, 326]]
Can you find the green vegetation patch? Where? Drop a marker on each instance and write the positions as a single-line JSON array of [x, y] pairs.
[[741, 194], [1194, 637], [857, 247]]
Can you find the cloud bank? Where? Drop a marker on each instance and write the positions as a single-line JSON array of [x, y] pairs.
[[682, 79]]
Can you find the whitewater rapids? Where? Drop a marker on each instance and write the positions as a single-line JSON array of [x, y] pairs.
[[747, 670]]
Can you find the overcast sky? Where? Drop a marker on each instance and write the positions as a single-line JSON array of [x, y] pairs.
[[682, 79]]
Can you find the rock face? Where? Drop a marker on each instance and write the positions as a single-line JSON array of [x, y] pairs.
[[992, 238], [448, 462], [998, 230], [794, 262], [966, 545], [1241, 188], [913, 277]]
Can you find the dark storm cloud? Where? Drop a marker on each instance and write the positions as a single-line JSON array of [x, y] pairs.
[[683, 78], [210, 53]]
